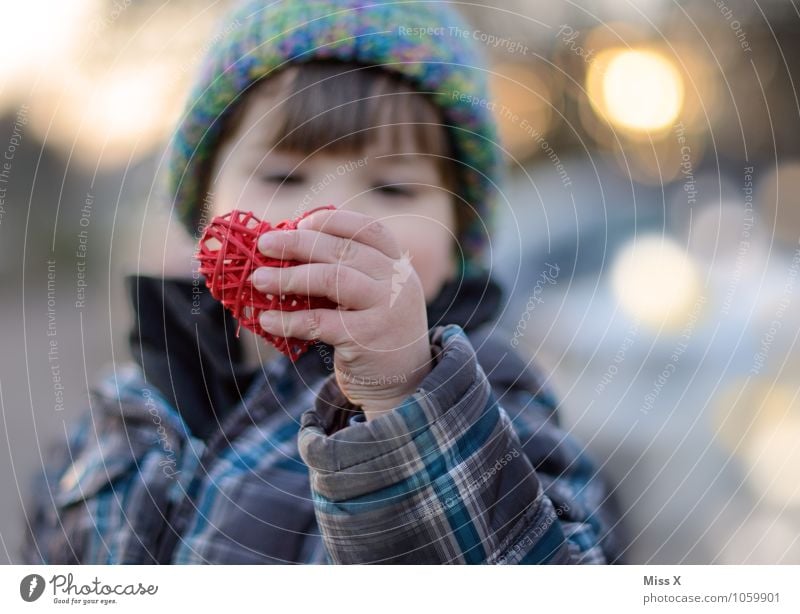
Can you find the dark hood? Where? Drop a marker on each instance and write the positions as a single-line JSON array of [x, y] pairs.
[[185, 341]]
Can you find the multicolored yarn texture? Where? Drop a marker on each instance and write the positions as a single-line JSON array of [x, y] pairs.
[[422, 41]]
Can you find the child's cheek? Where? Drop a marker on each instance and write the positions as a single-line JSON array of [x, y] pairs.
[[430, 248]]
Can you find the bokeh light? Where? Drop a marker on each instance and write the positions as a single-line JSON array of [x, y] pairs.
[[759, 421], [637, 90], [38, 34], [655, 281], [102, 81], [111, 117]]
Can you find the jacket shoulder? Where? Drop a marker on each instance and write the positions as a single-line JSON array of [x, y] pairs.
[[95, 465], [509, 374]]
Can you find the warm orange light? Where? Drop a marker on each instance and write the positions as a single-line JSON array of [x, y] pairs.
[[638, 90], [656, 282]]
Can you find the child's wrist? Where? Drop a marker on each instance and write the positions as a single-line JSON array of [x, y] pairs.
[[374, 408]]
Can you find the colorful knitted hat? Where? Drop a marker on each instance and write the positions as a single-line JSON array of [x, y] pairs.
[[428, 43]]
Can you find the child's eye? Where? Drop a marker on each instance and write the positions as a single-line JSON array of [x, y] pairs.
[[282, 179], [394, 190]]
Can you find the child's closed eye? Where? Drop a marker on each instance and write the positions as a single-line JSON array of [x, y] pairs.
[[283, 179], [396, 191]]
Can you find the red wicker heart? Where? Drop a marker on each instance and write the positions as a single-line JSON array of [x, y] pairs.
[[228, 254]]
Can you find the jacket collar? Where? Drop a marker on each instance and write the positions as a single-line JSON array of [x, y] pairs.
[[185, 342]]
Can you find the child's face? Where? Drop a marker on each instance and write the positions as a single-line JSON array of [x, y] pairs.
[[404, 192]]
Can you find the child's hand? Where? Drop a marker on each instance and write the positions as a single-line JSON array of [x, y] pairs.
[[380, 331]]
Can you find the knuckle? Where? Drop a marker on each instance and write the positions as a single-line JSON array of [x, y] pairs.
[[314, 323], [291, 241], [375, 230], [330, 279], [286, 280], [343, 277], [344, 250]]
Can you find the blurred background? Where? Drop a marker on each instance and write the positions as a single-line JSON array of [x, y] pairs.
[[648, 239]]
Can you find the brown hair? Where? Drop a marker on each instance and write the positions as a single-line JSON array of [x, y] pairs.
[[336, 106]]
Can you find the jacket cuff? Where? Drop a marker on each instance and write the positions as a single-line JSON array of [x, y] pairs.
[[352, 461]]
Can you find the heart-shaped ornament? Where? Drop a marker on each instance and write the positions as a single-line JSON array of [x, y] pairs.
[[228, 255]]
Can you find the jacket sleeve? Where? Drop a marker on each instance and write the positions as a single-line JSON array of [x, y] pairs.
[[450, 477], [80, 507]]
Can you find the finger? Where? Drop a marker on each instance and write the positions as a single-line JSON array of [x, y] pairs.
[[353, 225], [347, 287], [316, 246], [326, 325]]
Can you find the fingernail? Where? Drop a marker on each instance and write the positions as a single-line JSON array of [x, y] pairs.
[[268, 319], [306, 221], [260, 276], [266, 242]]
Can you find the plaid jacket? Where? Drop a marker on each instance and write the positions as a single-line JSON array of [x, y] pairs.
[[472, 468]]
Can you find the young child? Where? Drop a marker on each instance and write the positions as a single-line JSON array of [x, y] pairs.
[[411, 432]]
